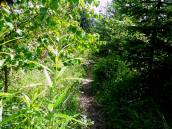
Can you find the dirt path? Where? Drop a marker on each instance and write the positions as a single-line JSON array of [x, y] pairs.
[[91, 109]]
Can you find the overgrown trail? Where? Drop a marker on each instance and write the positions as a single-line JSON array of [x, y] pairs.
[[90, 107]]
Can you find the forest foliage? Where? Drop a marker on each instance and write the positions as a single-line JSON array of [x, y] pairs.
[[42, 50], [135, 64], [44, 46]]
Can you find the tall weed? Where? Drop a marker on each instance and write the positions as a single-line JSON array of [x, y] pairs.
[[30, 104]]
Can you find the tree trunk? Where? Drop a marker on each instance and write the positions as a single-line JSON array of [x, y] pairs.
[[154, 38], [5, 79]]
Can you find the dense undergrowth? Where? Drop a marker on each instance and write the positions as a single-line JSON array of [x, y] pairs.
[[133, 72], [119, 89]]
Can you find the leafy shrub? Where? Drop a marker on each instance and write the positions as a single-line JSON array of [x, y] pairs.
[[46, 35]]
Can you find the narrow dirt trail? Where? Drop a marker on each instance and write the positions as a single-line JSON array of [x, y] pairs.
[[91, 109]]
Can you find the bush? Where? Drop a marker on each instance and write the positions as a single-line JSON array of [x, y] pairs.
[[119, 90]]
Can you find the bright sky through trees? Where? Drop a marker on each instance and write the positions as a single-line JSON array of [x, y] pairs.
[[102, 7]]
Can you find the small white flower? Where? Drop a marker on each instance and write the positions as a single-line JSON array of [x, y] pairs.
[[17, 11], [30, 4], [2, 62], [57, 39], [19, 32]]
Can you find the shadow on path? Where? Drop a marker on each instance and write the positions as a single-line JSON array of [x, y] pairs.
[[88, 104]]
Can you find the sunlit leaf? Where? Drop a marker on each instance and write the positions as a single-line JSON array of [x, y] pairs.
[[2, 62]]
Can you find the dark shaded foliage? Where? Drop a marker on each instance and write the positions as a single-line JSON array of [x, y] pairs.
[[141, 100]]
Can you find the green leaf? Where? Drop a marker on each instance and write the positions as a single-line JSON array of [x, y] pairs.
[[10, 25], [43, 13], [1, 25], [71, 118], [27, 100], [5, 95], [74, 1], [54, 4], [61, 98], [12, 117]]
